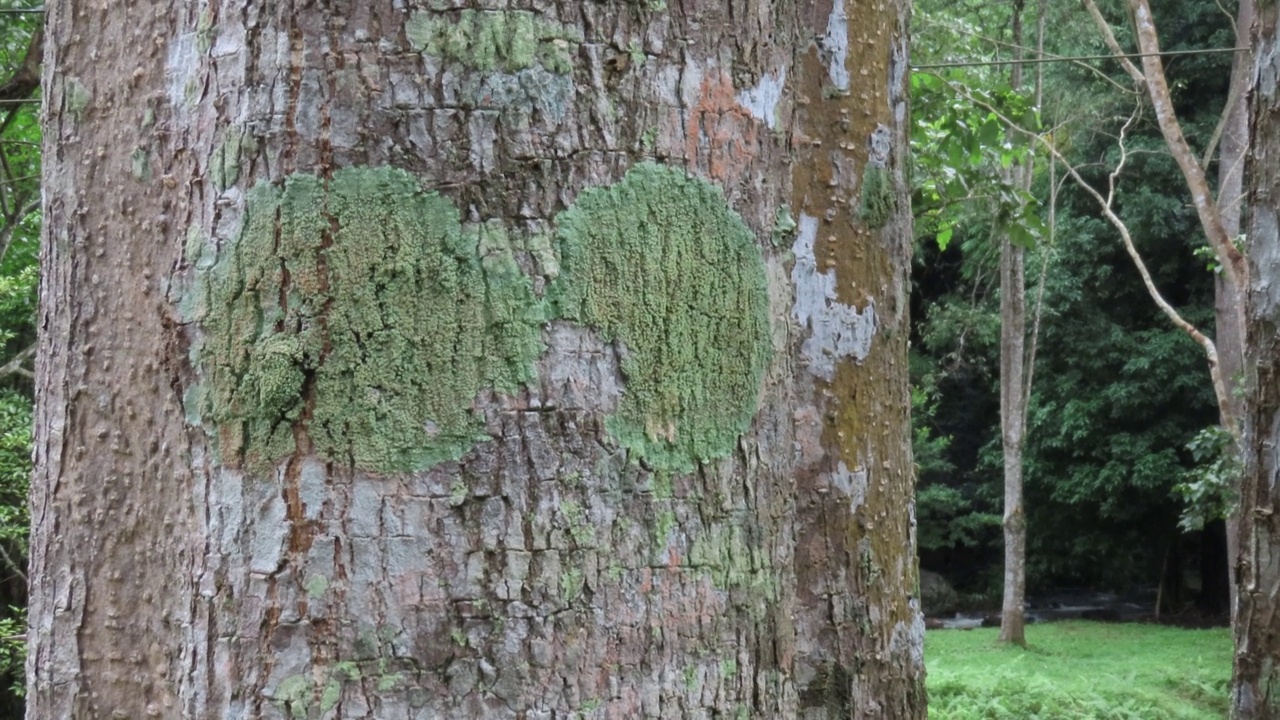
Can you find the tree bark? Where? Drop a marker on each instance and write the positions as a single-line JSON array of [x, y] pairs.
[[1256, 672], [1014, 394], [1228, 298], [430, 361], [1013, 328]]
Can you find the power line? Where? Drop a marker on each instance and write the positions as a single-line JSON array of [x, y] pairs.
[[1077, 58], [18, 11]]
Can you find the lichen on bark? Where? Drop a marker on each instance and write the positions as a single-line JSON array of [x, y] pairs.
[[660, 263], [504, 40], [362, 311]]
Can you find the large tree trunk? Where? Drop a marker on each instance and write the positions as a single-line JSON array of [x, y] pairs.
[[438, 362], [1255, 689]]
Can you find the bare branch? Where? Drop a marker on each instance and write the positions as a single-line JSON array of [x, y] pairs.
[[15, 366], [10, 227], [26, 78], [4, 554], [1109, 38], [1233, 94], [1233, 263], [1104, 204]]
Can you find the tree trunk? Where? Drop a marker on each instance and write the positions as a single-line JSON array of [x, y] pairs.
[[444, 362], [1228, 299], [1255, 685], [1013, 334], [1014, 393]]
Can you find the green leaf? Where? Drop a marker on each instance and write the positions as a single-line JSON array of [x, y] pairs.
[[944, 237]]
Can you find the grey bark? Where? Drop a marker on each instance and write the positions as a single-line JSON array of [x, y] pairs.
[[549, 571], [1015, 394], [1228, 299], [1013, 398], [1257, 620]]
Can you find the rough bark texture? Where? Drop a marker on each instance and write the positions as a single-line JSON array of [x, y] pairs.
[[594, 406], [1255, 691]]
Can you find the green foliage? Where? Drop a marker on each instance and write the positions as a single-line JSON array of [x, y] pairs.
[[19, 248], [1080, 670], [371, 296], [1119, 392], [962, 151], [661, 264], [1208, 490]]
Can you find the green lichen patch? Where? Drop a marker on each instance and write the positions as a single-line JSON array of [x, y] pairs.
[[224, 164], [488, 40], [76, 97], [140, 165], [661, 264], [878, 199], [367, 297]]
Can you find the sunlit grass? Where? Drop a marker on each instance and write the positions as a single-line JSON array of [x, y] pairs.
[[1080, 671]]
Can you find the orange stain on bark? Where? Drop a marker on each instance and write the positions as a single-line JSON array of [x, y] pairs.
[[729, 132]]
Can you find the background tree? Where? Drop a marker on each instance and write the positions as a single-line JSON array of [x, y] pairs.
[[20, 51], [1104, 442], [425, 360]]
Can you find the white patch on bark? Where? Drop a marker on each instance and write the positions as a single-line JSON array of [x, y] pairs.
[[1265, 253], [899, 61], [691, 83], [836, 330], [852, 484], [483, 132], [835, 46], [908, 638], [525, 91], [578, 371], [269, 527], [312, 490], [180, 68], [879, 145], [762, 100]]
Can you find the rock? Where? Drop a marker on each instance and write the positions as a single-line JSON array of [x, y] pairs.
[[937, 597]]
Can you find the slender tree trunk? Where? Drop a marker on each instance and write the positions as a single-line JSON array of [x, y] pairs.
[[1255, 688], [1229, 299], [1013, 327], [536, 361], [1014, 397]]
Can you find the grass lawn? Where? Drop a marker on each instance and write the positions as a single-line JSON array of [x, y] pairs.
[[1080, 671]]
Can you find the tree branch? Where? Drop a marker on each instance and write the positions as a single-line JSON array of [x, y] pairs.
[[1109, 38], [26, 78], [1105, 205], [1233, 263], [4, 554], [15, 365]]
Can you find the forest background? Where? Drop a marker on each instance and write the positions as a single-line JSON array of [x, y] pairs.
[[1124, 474]]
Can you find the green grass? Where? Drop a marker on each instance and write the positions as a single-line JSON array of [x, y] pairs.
[[1080, 671]]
